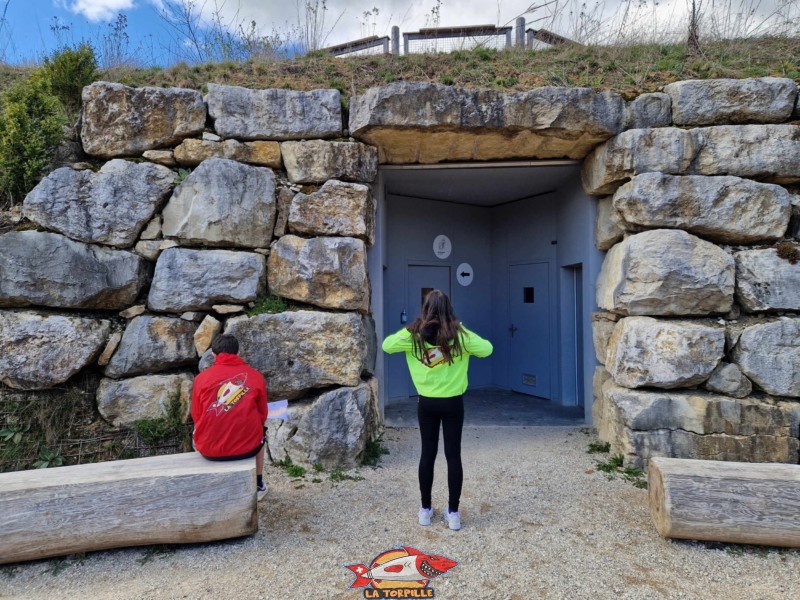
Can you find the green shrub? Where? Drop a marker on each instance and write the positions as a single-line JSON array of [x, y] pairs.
[[599, 447], [373, 452], [67, 71], [271, 304], [292, 470], [31, 121]]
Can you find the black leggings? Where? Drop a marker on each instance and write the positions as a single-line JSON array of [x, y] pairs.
[[450, 413]]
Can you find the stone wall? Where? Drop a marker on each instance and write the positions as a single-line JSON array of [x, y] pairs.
[[134, 265], [700, 341]]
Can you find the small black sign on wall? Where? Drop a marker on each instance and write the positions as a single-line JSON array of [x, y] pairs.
[[527, 295]]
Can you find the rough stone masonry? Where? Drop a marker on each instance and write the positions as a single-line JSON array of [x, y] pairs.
[[133, 271]]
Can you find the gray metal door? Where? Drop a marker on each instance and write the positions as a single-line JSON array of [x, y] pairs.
[[529, 329], [421, 280]]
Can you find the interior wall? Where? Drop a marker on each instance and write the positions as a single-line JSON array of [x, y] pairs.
[[576, 214]]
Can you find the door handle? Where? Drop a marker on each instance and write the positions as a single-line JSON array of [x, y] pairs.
[[512, 329]]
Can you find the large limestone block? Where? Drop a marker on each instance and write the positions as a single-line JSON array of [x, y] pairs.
[[223, 203], [723, 101], [108, 207], [764, 152], [638, 446], [39, 351], [48, 269], [187, 279], [274, 114], [431, 123], [333, 431], [337, 208], [152, 344], [666, 354], [372, 344], [769, 354], [317, 161], [728, 379], [602, 328], [608, 225], [702, 413], [598, 406], [192, 152], [663, 150], [766, 282], [124, 121], [303, 350], [666, 273], [681, 424], [125, 401], [649, 110], [722, 209], [327, 272]]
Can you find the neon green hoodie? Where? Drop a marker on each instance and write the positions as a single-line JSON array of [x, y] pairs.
[[442, 380]]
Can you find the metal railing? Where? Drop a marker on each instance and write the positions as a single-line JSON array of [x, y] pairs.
[[368, 45], [447, 39]]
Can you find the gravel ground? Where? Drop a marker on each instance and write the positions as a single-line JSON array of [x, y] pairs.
[[538, 522]]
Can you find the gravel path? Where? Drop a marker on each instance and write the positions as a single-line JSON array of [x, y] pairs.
[[539, 522]]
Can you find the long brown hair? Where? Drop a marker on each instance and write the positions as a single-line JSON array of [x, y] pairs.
[[438, 326]]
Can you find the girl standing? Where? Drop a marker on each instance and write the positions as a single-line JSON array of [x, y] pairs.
[[437, 348]]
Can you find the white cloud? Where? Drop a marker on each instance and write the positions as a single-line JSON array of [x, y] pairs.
[[99, 10]]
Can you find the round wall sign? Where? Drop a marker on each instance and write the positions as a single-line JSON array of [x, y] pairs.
[[442, 246], [464, 274]]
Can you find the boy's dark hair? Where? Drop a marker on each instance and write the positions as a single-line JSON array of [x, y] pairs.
[[225, 344]]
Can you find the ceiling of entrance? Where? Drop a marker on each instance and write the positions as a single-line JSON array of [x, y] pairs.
[[482, 186]]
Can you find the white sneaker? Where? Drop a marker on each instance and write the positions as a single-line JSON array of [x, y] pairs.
[[425, 515], [261, 492], [453, 520]]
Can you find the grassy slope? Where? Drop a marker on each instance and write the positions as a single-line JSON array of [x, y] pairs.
[[630, 70]]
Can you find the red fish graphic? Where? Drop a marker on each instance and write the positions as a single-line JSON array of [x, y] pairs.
[[415, 566]]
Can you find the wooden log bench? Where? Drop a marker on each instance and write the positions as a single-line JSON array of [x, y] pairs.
[[178, 498], [741, 503]]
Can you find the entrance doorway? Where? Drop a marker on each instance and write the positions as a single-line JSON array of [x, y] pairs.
[[497, 238]]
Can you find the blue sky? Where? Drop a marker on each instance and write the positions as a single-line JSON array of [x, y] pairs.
[[26, 32]]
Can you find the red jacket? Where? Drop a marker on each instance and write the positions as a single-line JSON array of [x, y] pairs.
[[229, 408]]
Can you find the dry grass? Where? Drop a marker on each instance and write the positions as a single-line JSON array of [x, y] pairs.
[[630, 69], [66, 422]]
